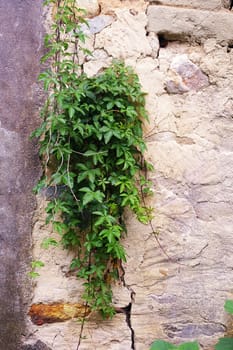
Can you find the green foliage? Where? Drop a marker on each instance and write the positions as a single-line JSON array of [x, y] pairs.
[[35, 265], [163, 345], [91, 139], [229, 306], [224, 344], [188, 346]]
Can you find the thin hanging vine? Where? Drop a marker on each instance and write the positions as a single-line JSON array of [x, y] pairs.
[[91, 141]]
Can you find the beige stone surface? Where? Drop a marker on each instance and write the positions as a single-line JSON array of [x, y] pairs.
[[199, 4], [134, 5], [180, 288], [126, 37], [190, 24], [91, 6]]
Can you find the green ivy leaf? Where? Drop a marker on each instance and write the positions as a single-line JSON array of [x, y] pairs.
[[108, 136], [189, 346], [88, 197], [71, 112], [33, 274], [47, 242], [37, 263], [224, 344], [229, 306], [162, 345]]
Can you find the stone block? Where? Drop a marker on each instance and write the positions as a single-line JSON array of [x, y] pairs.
[[98, 23], [199, 4], [185, 76], [190, 24], [91, 6], [126, 37]]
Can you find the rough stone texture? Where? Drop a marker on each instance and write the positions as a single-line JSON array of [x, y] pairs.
[[185, 76], [180, 289], [193, 211], [128, 35], [98, 23], [110, 6], [20, 44], [199, 4], [63, 286], [190, 24], [39, 345], [91, 6]]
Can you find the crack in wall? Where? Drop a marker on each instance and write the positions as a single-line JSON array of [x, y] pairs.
[[127, 310], [129, 324]]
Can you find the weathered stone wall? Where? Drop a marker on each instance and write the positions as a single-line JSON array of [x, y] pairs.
[[182, 51], [20, 51]]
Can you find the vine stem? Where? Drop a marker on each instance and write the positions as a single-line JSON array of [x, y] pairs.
[[153, 231], [82, 327], [85, 310], [150, 221]]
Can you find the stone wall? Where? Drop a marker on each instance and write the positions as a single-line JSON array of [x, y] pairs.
[[182, 52], [20, 50]]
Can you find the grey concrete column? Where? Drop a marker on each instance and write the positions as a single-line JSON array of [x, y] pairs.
[[20, 51]]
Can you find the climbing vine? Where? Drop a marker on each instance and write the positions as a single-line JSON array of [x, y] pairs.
[[91, 144]]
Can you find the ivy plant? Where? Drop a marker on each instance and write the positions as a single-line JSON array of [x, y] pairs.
[[163, 345], [91, 144]]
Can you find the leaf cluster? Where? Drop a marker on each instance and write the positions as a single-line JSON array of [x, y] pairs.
[[91, 139], [36, 264]]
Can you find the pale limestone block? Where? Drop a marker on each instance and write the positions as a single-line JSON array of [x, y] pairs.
[[199, 4], [126, 37], [190, 24], [151, 78], [54, 282], [212, 65], [103, 335], [91, 6], [97, 24], [134, 5], [97, 62], [94, 67], [210, 45]]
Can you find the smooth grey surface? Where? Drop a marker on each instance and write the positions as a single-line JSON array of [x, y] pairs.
[[20, 46]]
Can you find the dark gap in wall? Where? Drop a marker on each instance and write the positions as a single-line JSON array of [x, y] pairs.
[[127, 311], [163, 42], [229, 47]]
